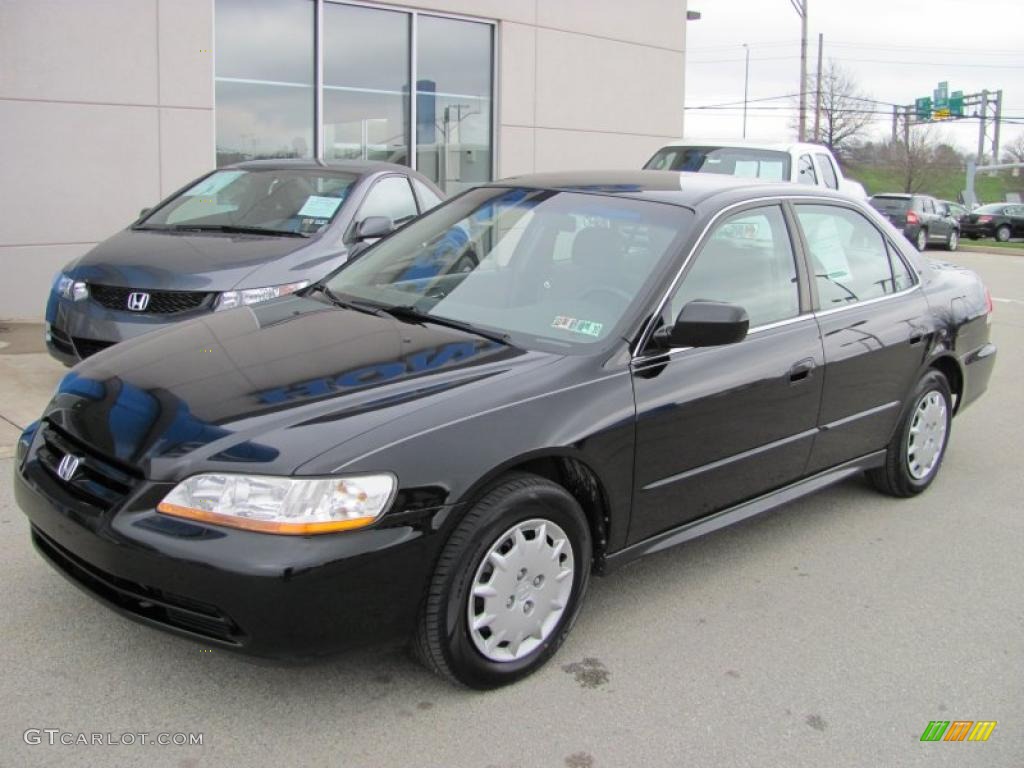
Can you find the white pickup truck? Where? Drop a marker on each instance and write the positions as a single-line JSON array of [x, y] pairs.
[[811, 164]]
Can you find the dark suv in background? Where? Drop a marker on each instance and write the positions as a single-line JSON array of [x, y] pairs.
[[922, 219]]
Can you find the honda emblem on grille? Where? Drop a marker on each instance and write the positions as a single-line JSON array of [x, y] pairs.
[[138, 301], [67, 467]]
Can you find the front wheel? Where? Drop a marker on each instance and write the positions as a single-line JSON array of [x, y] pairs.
[[953, 241], [921, 241], [914, 454], [1003, 234], [508, 585]]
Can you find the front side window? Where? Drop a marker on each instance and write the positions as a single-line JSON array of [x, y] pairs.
[[748, 260], [392, 198], [805, 171], [277, 201], [850, 258], [556, 270], [428, 199], [744, 162]]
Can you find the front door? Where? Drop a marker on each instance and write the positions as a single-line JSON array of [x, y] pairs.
[[717, 425]]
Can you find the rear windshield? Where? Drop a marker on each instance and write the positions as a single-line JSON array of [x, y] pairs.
[[729, 161], [991, 208], [890, 204]]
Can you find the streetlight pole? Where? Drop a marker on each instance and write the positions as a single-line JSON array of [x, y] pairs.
[[801, 8], [746, 83]]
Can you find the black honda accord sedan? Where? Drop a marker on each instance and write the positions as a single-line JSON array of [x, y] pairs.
[[445, 444], [242, 234]]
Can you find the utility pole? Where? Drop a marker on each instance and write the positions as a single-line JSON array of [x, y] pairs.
[[746, 91], [995, 129], [981, 127], [801, 8], [817, 96]]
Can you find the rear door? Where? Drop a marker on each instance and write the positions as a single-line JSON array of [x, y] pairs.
[[874, 326], [1016, 215], [718, 425]]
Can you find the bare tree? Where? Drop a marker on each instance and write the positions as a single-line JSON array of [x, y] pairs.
[[1013, 151], [924, 160], [846, 111]]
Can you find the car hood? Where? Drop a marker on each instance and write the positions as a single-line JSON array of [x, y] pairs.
[[268, 388], [193, 261]]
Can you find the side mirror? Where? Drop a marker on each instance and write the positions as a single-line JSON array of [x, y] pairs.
[[144, 211], [374, 228], [706, 324]]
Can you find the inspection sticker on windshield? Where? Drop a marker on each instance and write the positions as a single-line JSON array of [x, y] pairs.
[[317, 207], [586, 327]]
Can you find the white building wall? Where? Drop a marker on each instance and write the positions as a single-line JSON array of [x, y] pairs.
[[106, 106]]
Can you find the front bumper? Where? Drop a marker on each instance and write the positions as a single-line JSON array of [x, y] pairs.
[[274, 596], [78, 329]]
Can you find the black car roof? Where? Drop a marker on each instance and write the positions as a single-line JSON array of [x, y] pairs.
[[676, 187]]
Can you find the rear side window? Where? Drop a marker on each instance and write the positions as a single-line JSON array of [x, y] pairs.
[[850, 258], [828, 171], [805, 171], [748, 260]]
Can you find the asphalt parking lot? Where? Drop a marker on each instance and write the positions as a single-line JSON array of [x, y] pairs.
[[827, 633]]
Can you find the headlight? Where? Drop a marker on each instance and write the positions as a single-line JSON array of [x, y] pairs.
[[71, 289], [281, 504], [232, 299]]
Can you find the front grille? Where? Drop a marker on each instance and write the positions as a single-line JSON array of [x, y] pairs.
[[150, 603], [160, 302], [89, 347], [98, 481]]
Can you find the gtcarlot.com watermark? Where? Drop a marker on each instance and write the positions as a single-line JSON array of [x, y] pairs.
[[57, 736]]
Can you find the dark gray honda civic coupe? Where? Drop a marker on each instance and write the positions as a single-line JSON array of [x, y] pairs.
[[239, 235]]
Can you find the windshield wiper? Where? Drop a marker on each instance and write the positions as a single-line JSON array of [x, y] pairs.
[[409, 314], [344, 303], [234, 229]]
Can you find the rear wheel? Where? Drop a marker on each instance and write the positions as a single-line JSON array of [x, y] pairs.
[[921, 241], [914, 454], [953, 241], [1003, 234], [508, 585]]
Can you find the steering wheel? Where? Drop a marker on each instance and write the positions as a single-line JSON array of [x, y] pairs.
[[467, 262], [616, 293]]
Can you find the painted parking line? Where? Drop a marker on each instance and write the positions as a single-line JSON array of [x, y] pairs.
[[1007, 301]]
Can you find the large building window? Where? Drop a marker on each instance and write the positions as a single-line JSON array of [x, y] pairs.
[[264, 79], [453, 102], [366, 83], [268, 89]]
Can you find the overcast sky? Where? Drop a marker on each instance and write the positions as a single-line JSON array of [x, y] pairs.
[[897, 50]]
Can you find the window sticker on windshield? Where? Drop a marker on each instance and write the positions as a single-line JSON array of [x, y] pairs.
[[317, 207], [586, 327], [213, 184]]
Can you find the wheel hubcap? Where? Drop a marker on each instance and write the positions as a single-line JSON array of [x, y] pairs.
[[922, 240], [520, 590], [927, 435], [954, 239]]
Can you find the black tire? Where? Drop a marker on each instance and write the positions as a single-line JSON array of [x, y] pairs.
[[1003, 234], [442, 641], [953, 241], [921, 241], [894, 477]]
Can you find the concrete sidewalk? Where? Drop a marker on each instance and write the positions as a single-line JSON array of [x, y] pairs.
[[28, 376]]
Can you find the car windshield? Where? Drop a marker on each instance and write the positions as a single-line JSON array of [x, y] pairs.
[[745, 162], [989, 209], [547, 268], [890, 204], [287, 202]]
